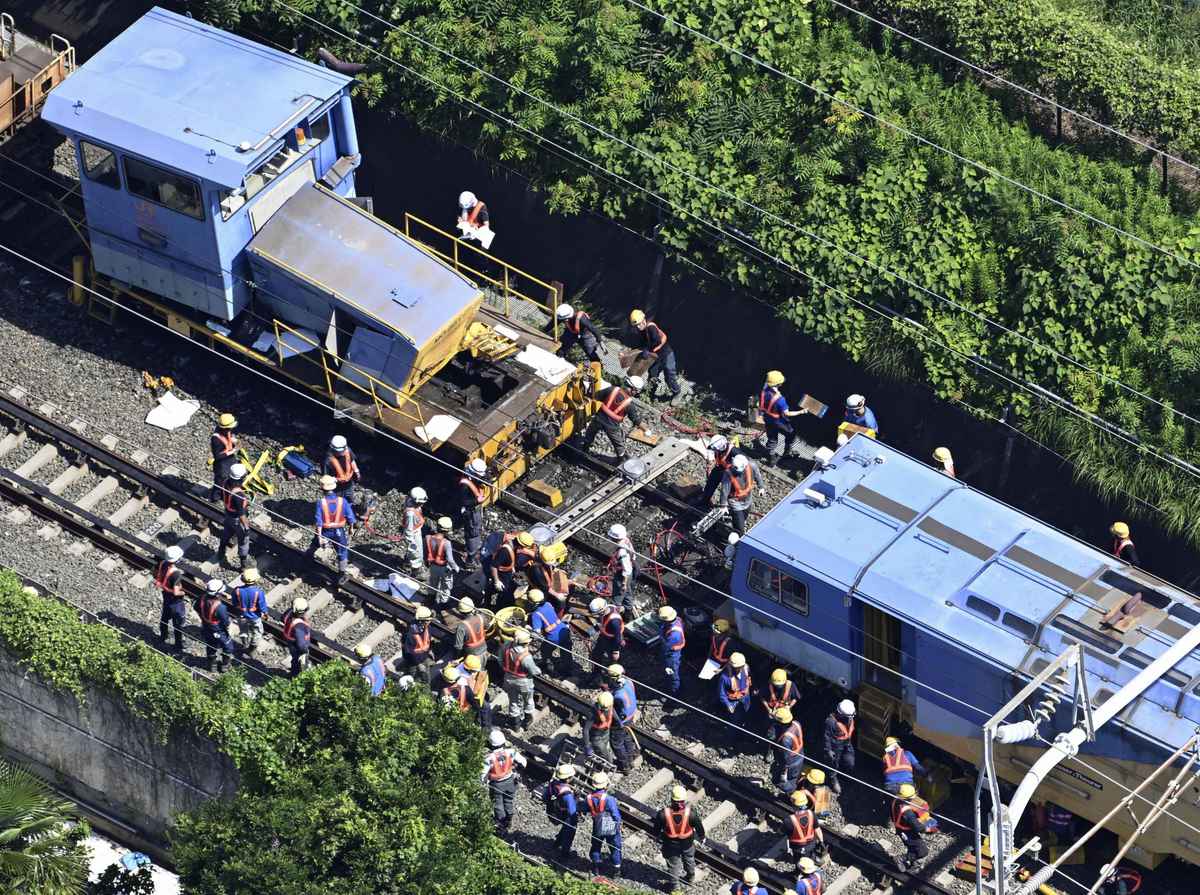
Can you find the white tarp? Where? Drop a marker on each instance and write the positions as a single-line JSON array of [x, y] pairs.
[[290, 343], [171, 412], [549, 367], [438, 428]]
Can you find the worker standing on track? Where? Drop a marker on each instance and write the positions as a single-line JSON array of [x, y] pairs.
[[810, 881], [251, 603], [615, 404], [501, 566], [912, 820], [578, 329], [413, 527], [737, 490], [678, 825], [721, 643], [439, 557], [333, 515], [672, 640], [839, 742], [733, 688], [899, 765], [858, 414], [548, 576], [626, 707], [235, 527], [623, 563], [470, 637], [563, 808], [597, 728], [500, 777], [297, 632], [749, 884], [553, 633], [371, 669], [525, 557], [472, 495], [169, 579], [1122, 547], [657, 347], [780, 693], [777, 418], [610, 637], [606, 826], [787, 759], [519, 672], [214, 621], [819, 795], [805, 837], [342, 465], [417, 646], [224, 446], [720, 457]]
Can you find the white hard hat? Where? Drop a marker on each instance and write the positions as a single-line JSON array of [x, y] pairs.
[[718, 443], [598, 605], [617, 531], [406, 681], [328, 483], [496, 738], [418, 494], [215, 585], [466, 604], [740, 462], [734, 537], [564, 311], [855, 401], [466, 199], [174, 553], [600, 780], [477, 466], [445, 523], [750, 876], [637, 383], [300, 605], [846, 708], [338, 442], [237, 471]]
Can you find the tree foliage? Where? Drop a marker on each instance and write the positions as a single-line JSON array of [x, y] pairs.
[[40, 850]]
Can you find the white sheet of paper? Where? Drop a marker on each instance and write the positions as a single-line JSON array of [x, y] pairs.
[[710, 670], [550, 367], [438, 428], [171, 413]]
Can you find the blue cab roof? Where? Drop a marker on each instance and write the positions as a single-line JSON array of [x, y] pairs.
[[187, 95], [963, 566]]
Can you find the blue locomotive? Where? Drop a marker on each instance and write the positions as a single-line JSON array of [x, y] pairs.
[[956, 600]]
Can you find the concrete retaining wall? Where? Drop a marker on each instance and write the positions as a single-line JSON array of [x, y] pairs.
[[104, 756]]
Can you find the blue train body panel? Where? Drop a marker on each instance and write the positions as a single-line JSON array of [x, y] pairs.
[[984, 595]]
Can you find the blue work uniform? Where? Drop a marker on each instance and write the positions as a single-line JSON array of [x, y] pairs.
[[214, 621], [673, 642], [733, 689], [787, 759], [899, 765], [625, 702], [417, 646], [609, 641], [810, 883], [553, 636], [866, 419], [563, 809], [236, 523], [373, 673], [252, 608], [169, 579], [298, 633], [332, 516], [839, 747], [743, 889], [601, 805], [774, 408]]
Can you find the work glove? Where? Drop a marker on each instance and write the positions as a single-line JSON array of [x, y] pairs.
[[670, 672]]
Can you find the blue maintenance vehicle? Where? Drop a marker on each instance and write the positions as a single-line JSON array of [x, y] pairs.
[[956, 600], [218, 181]]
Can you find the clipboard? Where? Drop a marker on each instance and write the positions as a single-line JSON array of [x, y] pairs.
[[813, 406]]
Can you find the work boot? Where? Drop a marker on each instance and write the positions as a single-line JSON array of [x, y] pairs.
[[162, 633], [211, 664], [178, 642], [616, 872]]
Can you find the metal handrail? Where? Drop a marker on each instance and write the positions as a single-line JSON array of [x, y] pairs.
[[507, 271]]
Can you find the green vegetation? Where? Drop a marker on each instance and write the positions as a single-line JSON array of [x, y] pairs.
[[40, 851], [339, 792]]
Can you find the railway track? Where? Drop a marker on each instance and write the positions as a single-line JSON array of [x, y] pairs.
[[103, 501]]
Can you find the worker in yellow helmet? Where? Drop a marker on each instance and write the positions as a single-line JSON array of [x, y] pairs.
[[1122, 547], [657, 347], [777, 417]]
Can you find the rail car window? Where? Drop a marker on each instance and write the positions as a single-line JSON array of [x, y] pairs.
[[1079, 632], [173, 191], [318, 128], [99, 164], [771, 583], [1026, 629], [983, 607]]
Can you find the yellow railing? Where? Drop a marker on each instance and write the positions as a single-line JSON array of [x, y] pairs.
[[371, 390], [24, 100], [512, 282]]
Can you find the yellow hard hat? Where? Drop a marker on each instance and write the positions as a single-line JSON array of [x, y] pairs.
[[907, 790], [815, 776], [565, 771], [1120, 530], [890, 741], [778, 677], [523, 636], [807, 865], [533, 595], [604, 699], [600, 780], [473, 662], [678, 793], [250, 576], [799, 798], [450, 672], [774, 377], [721, 625], [525, 539], [363, 650], [227, 421], [667, 613], [737, 660], [636, 316], [943, 455], [555, 553], [615, 670], [783, 715]]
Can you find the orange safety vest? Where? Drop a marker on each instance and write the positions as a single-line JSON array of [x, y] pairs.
[[502, 565], [230, 494], [896, 760], [514, 655], [474, 213], [723, 459], [208, 609], [343, 473], [844, 732], [676, 625], [616, 405], [335, 518], [804, 827], [737, 490], [463, 695], [768, 407], [679, 826], [475, 632], [792, 739], [530, 553], [289, 623], [227, 442], [435, 550], [810, 885], [601, 718], [480, 493], [501, 765], [782, 699], [718, 648], [575, 323], [596, 802], [662, 332], [901, 806], [162, 576], [604, 629], [739, 685], [422, 640], [1120, 544]]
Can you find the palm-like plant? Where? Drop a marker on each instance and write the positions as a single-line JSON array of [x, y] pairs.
[[40, 852]]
